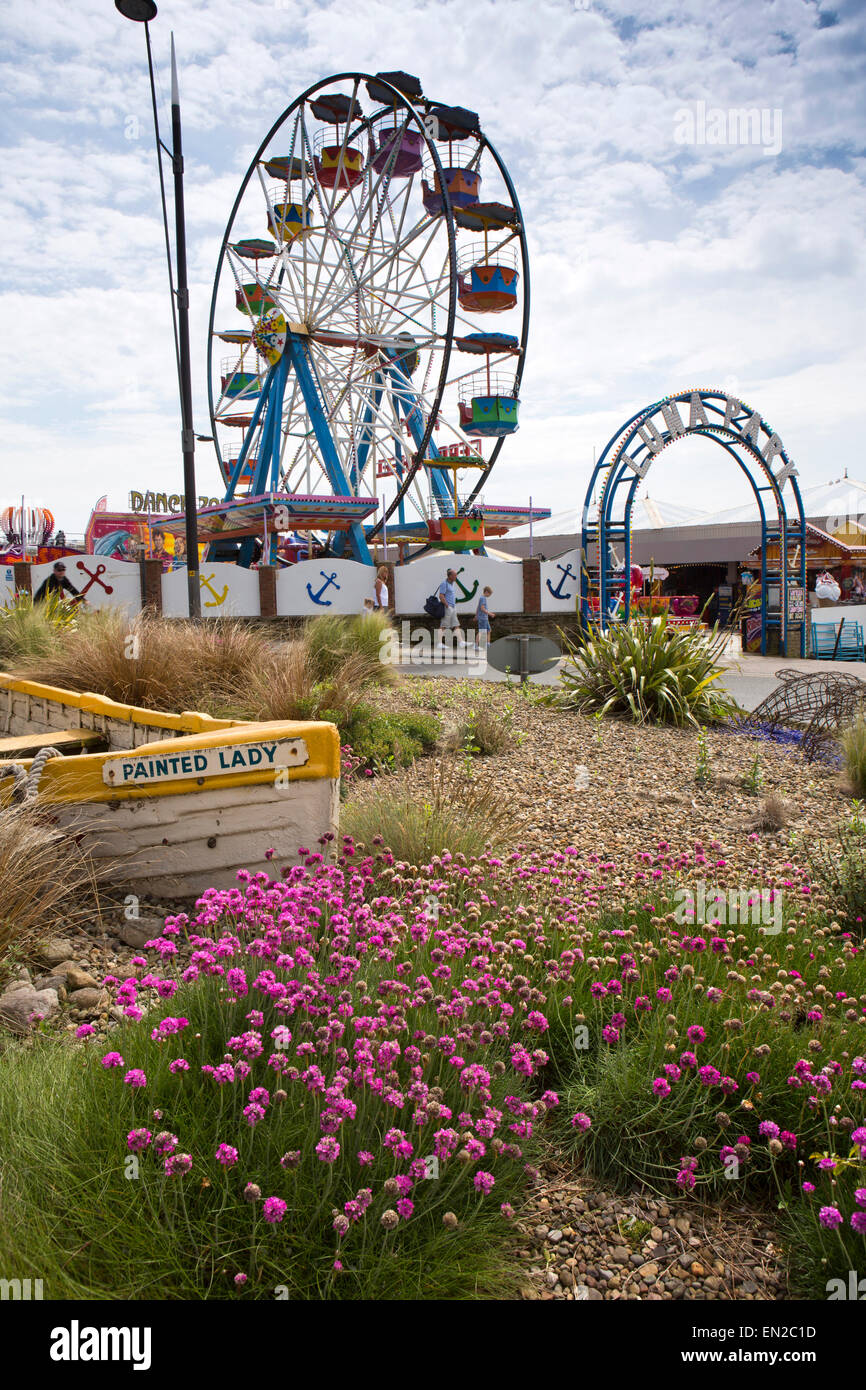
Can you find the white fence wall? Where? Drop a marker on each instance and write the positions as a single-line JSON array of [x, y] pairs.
[[415, 583], [104, 582], [560, 583], [313, 587], [7, 584], [227, 591], [324, 586]]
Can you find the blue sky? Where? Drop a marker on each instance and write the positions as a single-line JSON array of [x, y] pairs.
[[656, 264]]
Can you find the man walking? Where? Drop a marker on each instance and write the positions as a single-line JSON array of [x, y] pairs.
[[56, 583], [449, 622]]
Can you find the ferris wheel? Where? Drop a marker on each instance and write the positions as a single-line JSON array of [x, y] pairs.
[[352, 369]]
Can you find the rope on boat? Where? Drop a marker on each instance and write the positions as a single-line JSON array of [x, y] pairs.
[[26, 784]]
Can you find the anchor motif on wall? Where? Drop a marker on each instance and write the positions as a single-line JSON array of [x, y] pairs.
[[92, 578], [567, 573], [329, 580], [205, 583], [465, 594]]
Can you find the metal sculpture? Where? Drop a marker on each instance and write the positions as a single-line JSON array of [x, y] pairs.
[[625, 462], [820, 703]]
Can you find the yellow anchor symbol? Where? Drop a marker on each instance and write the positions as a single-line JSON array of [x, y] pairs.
[[205, 582]]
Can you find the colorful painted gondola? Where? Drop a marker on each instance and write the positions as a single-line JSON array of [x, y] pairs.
[[490, 416], [254, 249], [339, 166], [487, 343], [288, 167], [488, 289], [290, 222], [241, 383], [254, 299], [401, 150], [456, 532]]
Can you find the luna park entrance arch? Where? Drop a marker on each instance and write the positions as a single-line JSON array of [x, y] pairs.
[[605, 591]]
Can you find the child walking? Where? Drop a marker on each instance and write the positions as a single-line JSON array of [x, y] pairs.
[[483, 616]]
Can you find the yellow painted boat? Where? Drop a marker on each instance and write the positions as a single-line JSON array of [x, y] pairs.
[[177, 802]]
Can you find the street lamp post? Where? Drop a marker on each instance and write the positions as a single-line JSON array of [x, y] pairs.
[[142, 12]]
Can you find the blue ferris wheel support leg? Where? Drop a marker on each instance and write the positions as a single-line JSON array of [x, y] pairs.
[[260, 405], [363, 452], [298, 355], [267, 471], [407, 398]]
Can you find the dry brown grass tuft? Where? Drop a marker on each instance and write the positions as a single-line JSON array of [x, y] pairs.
[[330, 639], [220, 667], [454, 811], [152, 663], [773, 815], [486, 730], [284, 686], [854, 751], [43, 871]]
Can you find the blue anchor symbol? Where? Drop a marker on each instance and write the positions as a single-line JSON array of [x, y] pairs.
[[317, 598], [567, 573]]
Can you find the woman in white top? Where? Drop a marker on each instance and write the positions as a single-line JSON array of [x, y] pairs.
[[382, 587]]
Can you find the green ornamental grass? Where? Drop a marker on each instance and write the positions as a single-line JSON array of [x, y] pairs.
[[648, 670]]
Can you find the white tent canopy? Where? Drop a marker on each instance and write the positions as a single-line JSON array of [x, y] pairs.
[[845, 498], [648, 514]]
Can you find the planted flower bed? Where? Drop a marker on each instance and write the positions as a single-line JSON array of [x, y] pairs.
[[339, 1082]]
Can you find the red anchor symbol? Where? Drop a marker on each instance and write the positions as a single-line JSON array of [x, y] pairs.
[[93, 578]]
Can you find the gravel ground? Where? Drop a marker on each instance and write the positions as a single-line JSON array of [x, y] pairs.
[[641, 780], [580, 1242]]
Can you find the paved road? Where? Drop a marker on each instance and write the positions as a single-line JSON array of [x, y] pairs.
[[748, 691], [749, 678], [471, 670]]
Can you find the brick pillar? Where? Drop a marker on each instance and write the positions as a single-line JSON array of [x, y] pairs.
[[23, 577], [267, 591], [151, 585], [531, 586]]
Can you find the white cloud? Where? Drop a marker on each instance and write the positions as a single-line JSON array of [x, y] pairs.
[[654, 265]]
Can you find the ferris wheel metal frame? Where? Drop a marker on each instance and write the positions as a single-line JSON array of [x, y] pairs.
[[417, 411]]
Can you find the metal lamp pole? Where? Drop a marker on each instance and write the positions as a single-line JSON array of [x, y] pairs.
[[142, 12]]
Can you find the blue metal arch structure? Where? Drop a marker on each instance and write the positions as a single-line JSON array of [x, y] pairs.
[[624, 463]]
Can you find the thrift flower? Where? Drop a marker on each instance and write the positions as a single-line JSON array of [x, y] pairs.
[[274, 1209]]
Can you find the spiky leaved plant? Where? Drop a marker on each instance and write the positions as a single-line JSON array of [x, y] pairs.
[[650, 670]]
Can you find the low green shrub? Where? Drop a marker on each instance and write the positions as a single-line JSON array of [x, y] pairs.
[[387, 739]]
